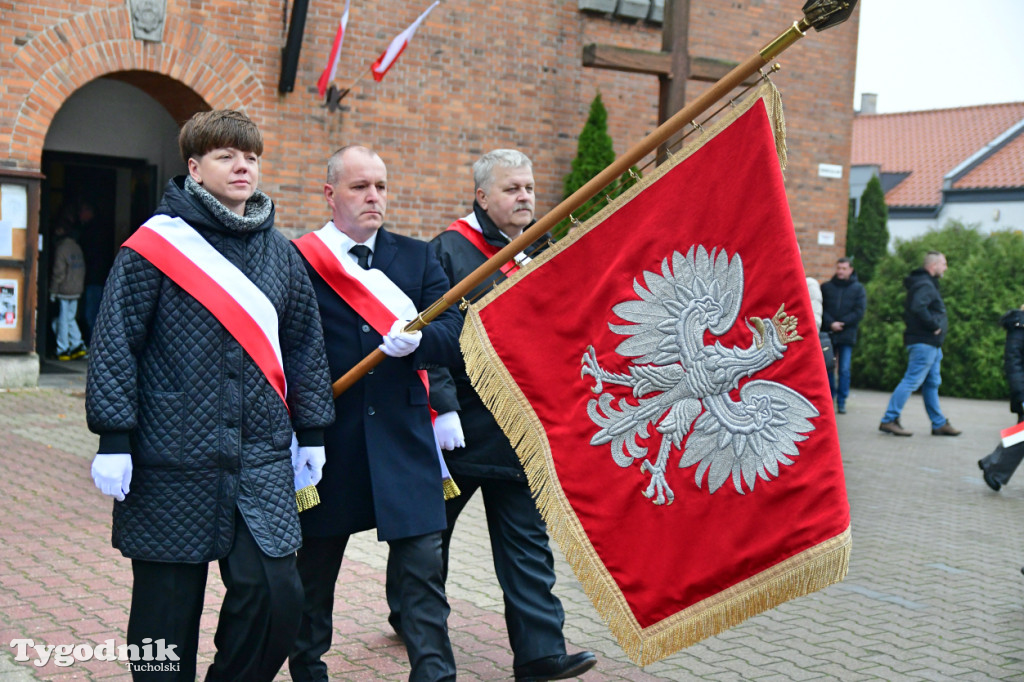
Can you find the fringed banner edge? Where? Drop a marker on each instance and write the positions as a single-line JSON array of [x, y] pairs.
[[812, 569]]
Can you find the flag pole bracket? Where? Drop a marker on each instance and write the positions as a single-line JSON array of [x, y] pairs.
[[334, 97]]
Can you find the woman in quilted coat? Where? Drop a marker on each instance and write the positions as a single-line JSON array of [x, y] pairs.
[[196, 418]]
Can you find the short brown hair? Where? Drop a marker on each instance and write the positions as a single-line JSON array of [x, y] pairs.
[[209, 130]]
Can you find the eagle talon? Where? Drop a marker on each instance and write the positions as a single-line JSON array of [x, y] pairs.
[[658, 485], [590, 366]]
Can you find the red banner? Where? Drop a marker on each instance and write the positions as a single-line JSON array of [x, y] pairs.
[[660, 374]]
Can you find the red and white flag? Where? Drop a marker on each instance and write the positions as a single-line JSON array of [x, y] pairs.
[[1012, 435], [384, 62], [332, 62], [669, 399]]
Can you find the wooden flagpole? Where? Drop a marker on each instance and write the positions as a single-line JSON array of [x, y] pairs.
[[818, 14]]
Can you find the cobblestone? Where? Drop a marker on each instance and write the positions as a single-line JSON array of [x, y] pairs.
[[933, 593]]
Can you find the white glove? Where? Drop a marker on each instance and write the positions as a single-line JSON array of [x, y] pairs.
[[398, 343], [311, 458], [448, 429], [112, 474]]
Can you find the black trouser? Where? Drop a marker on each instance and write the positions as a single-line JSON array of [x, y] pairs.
[[1002, 462], [258, 619], [416, 565], [523, 564]]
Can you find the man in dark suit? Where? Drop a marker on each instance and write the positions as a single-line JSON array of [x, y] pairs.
[[382, 467]]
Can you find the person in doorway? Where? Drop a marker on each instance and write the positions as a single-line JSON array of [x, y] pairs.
[[481, 457], [67, 281], [209, 390], [98, 258], [383, 467], [844, 302]]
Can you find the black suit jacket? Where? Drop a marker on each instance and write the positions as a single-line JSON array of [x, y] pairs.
[[382, 469]]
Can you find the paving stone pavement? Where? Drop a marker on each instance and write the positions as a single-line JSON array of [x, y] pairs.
[[934, 590]]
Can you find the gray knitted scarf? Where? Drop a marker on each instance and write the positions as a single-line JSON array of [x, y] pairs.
[[257, 208]]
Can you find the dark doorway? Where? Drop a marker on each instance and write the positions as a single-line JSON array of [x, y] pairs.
[[121, 193]]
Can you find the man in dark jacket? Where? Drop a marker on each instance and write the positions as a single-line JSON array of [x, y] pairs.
[[503, 208], [924, 314], [196, 419], [383, 469], [843, 305]]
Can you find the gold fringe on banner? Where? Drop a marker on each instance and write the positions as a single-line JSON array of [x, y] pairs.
[[811, 570]]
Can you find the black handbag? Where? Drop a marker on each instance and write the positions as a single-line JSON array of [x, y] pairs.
[[826, 348]]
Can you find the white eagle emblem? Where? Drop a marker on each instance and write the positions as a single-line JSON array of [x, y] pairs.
[[679, 382]]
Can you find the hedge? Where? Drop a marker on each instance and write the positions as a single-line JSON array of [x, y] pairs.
[[985, 279]]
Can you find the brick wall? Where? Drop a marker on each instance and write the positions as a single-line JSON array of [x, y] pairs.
[[478, 75]]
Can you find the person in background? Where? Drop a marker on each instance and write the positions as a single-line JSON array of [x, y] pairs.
[[998, 466], [96, 246], [67, 281], [924, 314], [844, 302]]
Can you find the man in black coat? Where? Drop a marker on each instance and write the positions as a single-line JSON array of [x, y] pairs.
[[503, 208], [843, 304], [194, 431], [383, 468], [924, 314], [999, 465]]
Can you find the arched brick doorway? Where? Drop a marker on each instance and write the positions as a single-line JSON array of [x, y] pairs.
[[110, 147]]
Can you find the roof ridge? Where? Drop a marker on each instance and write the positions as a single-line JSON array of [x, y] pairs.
[[936, 111]]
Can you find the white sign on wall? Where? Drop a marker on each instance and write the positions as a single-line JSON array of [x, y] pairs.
[[830, 170], [826, 238]]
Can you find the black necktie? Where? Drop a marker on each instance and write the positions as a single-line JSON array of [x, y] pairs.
[[362, 253]]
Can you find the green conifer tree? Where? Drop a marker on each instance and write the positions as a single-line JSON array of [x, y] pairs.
[[594, 152], [868, 238]]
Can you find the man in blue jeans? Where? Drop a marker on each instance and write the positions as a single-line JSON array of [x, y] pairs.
[[924, 314]]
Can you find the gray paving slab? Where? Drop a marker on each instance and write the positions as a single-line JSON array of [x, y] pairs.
[[934, 590]]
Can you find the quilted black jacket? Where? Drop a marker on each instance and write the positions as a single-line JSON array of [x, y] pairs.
[[205, 429]]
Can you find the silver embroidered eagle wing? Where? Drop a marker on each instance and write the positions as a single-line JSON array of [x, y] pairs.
[[748, 438]]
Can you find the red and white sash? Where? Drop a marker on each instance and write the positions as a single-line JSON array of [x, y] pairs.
[[182, 254], [373, 296], [376, 298], [469, 227]]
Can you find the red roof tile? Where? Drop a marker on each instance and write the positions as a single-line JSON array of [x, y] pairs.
[[929, 144], [1005, 168]]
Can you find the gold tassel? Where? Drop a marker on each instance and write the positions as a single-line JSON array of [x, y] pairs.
[[307, 498], [774, 105], [451, 491]]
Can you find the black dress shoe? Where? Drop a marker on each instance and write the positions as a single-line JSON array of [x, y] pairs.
[[989, 481], [558, 667]]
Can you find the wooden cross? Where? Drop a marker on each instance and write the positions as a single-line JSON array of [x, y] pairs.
[[673, 65]]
